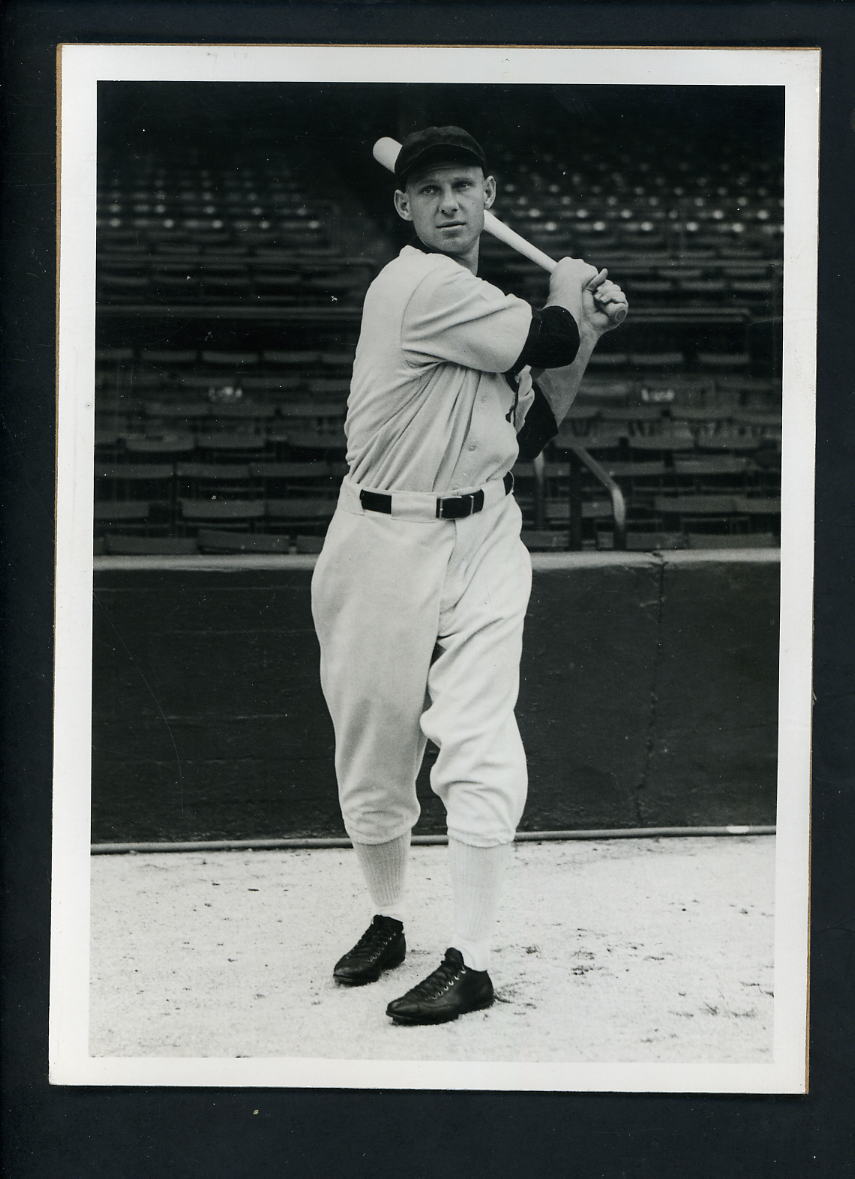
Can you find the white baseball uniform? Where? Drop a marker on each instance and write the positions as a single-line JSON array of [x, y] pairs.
[[419, 616]]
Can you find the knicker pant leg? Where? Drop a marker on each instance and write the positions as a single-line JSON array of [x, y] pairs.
[[375, 601], [480, 772]]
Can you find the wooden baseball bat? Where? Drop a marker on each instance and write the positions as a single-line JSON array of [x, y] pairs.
[[386, 153]]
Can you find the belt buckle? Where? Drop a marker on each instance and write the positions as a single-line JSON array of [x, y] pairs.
[[467, 500]]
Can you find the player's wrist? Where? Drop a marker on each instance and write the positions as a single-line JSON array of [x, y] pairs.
[[589, 334]]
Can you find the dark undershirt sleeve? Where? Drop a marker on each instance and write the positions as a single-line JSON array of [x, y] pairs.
[[538, 429], [552, 341]]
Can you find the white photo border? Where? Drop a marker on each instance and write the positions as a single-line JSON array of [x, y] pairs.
[[79, 69]]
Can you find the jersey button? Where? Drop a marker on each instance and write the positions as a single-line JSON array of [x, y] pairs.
[[471, 446]]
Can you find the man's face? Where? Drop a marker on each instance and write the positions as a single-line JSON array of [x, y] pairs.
[[446, 205]]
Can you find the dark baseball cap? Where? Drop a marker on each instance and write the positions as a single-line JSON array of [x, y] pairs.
[[426, 147]]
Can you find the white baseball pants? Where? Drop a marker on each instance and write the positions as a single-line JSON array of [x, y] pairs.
[[420, 626]]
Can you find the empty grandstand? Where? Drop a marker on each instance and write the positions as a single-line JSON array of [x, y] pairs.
[[234, 249]]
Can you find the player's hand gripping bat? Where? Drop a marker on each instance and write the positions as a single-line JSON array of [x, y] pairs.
[[386, 153]]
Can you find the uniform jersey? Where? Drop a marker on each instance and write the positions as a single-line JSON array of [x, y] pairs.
[[429, 408]]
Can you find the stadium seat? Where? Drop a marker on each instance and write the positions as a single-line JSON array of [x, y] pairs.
[[725, 473], [341, 361], [544, 540], [726, 442], [186, 415], [730, 361], [168, 360], [108, 445], [236, 514], [174, 281], [306, 360], [272, 388], [119, 545], [558, 513], [243, 415], [608, 360], [731, 540], [581, 419], [317, 416], [217, 254], [176, 243], [228, 363], [648, 542], [674, 442], [280, 480], [200, 385], [638, 477], [681, 274], [702, 290], [597, 392], [159, 448], [227, 446], [225, 284], [212, 540], [759, 423], [206, 480], [700, 513], [275, 286], [122, 515], [763, 512], [329, 387], [311, 515], [135, 381], [649, 292], [598, 441], [633, 420], [768, 388], [315, 444], [656, 361], [117, 481], [114, 356], [700, 418], [754, 291], [122, 288]]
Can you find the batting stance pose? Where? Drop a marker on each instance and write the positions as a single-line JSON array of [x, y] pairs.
[[421, 588]]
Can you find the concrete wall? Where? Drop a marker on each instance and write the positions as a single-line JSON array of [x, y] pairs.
[[649, 697]]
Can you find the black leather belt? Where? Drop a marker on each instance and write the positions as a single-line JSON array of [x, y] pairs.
[[450, 507]]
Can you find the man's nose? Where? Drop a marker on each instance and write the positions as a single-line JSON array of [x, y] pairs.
[[449, 200]]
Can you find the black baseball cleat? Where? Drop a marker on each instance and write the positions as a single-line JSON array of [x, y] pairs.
[[380, 948], [452, 990]]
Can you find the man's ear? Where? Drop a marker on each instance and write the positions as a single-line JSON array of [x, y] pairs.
[[402, 204], [489, 191]]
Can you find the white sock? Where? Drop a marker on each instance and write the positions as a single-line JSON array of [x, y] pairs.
[[476, 880], [384, 866]]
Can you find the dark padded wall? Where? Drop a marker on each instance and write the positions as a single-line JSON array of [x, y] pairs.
[[648, 698]]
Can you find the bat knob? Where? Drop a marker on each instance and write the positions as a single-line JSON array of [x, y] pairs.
[[385, 152]]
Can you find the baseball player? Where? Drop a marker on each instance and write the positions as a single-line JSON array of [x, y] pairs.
[[421, 589]]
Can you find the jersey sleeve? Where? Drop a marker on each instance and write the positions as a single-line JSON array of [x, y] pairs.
[[553, 339], [534, 420], [453, 316]]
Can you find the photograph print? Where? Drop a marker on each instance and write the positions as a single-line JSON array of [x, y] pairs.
[[433, 616]]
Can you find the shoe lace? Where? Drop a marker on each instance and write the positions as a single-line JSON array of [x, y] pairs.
[[374, 938], [437, 983]]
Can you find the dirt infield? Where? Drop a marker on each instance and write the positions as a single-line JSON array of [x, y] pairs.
[[624, 950]]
